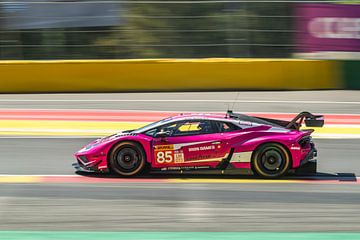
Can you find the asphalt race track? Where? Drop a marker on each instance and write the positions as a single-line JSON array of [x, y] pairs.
[[188, 203]]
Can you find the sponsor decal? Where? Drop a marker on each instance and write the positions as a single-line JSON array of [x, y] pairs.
[[203, 148], [181, 145], [164, 147], [179, 157], [166, 154], [184, 168], [201, 157]]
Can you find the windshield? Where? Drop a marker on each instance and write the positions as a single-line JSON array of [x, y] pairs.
[[152, 125]]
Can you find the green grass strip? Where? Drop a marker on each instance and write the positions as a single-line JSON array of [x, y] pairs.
[[69, 235]]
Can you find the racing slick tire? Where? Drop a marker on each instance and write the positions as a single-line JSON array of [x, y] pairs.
[[127, 159], [271, 160]]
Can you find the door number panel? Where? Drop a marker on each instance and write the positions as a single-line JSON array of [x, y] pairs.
[[165, 154]]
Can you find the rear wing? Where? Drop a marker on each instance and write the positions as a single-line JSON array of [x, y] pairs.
[[309, 119]]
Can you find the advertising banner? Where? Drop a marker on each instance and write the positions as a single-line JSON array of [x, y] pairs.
[[324, 28]]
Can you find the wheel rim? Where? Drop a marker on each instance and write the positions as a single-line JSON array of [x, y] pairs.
[[127, 159], [272, 161]]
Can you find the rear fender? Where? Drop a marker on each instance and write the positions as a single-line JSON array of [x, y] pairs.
[[252, 144]]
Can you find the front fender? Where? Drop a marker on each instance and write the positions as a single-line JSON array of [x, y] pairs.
[[101, 149]]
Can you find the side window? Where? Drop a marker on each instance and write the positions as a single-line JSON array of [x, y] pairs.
[[168, 128], [193, 127], [226, 127]]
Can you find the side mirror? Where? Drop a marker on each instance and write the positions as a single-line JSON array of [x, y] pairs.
[[162, 134]]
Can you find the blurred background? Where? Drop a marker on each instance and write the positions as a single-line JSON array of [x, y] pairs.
[[262, 45], [50, 29]]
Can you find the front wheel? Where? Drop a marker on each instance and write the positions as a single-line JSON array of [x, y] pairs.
[[271, 160], [127, 159]]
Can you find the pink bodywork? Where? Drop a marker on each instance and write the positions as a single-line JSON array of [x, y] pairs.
[[198, 151]]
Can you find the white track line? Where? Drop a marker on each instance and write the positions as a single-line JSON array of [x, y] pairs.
[[315, 178], [178, 100], [84, 110], [334, 136]]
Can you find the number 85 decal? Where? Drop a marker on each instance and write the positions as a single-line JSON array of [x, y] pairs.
[[164, 157]]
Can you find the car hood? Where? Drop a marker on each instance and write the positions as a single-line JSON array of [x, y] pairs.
[[116, 136], [105, 140]]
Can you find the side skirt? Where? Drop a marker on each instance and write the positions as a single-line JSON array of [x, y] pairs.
[[242, 171]]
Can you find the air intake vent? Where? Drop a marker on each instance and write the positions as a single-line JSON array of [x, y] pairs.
[[83, 159], [305, 142]]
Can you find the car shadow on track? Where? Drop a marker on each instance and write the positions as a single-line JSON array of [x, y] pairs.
[[320, 176]]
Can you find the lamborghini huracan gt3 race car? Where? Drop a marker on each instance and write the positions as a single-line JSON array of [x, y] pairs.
[[228, 143]]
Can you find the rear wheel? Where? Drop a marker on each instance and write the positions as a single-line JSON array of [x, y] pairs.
[[127, 159], [271, 160]]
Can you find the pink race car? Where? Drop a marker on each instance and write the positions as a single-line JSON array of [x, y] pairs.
[[228, 143]]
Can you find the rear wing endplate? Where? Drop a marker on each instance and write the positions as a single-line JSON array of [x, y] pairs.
[[309, 119]]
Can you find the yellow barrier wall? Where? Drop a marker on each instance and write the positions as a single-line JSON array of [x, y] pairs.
[[167, 74]]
